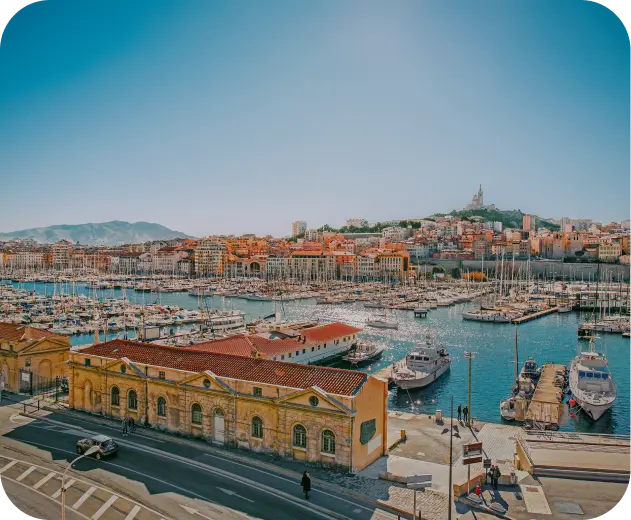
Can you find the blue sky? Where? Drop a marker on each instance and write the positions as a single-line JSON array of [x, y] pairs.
[[241, 116]]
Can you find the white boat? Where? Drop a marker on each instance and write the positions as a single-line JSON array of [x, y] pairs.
[[423, 366], [494, 317], [363, 353], [591, 384], [508, 409], [565, 308], [381, 322]]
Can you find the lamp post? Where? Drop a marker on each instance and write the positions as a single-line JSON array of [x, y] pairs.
[[88, 452], [469, 356]]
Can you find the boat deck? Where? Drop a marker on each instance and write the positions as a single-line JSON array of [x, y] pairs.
[[546, 407]]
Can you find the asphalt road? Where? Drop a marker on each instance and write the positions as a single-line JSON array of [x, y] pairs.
[[172, 467]]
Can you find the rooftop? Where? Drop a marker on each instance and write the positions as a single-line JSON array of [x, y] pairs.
[[292, 375]]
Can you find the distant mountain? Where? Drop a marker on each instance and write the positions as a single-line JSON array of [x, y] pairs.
[[103, 233], [509, 218]]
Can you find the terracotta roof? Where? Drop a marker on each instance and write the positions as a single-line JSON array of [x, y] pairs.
[[18, 332], [293, 375], [245, 345], [328, 332]]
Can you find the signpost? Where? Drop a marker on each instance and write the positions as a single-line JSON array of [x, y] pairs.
[[472, 453]]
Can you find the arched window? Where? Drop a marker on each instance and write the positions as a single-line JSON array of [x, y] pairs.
[[116, 396], [257, 427], [162, 407], [132, 400], [300, 436], [196, 414], [328, 442]]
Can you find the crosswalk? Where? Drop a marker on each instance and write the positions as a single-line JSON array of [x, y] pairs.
[[88, 500]]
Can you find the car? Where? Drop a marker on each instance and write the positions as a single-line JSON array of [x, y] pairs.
[[107, 446]]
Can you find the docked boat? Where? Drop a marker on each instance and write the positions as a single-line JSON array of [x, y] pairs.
[[423, 366], [591, 383], [565, 308], [363, 353], [489, 316]]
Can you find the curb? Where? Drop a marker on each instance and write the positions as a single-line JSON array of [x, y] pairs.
[[149, 433]]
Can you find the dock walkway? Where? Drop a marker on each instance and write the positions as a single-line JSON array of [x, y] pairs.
[[546, 407], [535, 315]]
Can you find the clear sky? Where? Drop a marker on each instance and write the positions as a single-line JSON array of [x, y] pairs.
[[242, 116]]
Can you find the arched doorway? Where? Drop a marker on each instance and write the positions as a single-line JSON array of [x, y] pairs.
[[219, 426]]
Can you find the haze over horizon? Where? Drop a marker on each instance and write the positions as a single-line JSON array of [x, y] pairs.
[[236, 117]]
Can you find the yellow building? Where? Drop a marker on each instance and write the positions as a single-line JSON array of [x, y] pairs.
[[320, 415], [31, 358]]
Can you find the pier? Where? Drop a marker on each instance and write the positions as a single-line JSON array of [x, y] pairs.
[[546, 409], [420, 313], [535, 315]]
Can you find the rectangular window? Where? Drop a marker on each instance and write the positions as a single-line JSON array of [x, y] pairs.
[[289, 355], [87, 362], [258, 391], [312, 349], [282, 357], [161, 375], [367, 430], [304, 350], [297, 352]]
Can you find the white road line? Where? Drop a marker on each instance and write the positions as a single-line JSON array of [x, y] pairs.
[[68, 484], [132, 513], [104, 507], [26, 473], [44, 480], [9, 465], [84, 497]]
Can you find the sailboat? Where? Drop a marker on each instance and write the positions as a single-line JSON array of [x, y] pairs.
[[514, 408]]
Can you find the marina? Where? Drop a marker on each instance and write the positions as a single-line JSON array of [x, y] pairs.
[[550, 339]]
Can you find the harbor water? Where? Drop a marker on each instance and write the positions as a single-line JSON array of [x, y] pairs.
[[552, 338]]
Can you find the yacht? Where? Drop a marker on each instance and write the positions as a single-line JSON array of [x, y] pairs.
[[424, 365], [494, 317], [591, 383], [564, 308], [381, 322], [363, 353]]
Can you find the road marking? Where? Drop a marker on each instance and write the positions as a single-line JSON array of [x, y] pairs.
[[229, 492], [9, 465], [104, 507], [68, 484], [132, 513], [26, 474], [84, 497], [44, 480], [192, 511]]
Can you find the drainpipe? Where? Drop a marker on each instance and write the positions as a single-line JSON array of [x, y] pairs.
[[146, 396]]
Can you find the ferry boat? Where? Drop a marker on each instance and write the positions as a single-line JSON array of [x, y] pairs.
[[423, 366], [591, 383], [363, 353]]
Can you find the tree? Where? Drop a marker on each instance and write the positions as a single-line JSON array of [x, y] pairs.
[[455, 273]]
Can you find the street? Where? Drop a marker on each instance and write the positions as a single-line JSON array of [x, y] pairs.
[[176, 478]]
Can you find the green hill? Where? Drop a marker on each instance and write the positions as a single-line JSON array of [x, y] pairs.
[[508, 218]]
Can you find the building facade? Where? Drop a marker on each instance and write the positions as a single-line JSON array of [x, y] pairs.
[[298, 228], [210, 256], [307, 413]]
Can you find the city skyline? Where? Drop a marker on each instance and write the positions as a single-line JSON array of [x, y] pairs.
[[320, 113]]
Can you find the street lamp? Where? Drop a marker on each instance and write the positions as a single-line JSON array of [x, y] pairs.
[[88, 452], [469, 356]]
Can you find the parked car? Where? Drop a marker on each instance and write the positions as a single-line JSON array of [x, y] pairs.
[[107, 446]]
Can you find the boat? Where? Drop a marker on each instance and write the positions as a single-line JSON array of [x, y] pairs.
[[363, 353], [591, 384], [381, 322], [423, 366], [565, 308], [494, 317]]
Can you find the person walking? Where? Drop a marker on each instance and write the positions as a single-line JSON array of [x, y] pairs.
[[496, 476], [459, 413], [465, 413], [306, 484], [124, 426], [132, 424]]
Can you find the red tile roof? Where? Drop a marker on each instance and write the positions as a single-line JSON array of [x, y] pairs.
[[328, 332], [293, 375], [18, 332]]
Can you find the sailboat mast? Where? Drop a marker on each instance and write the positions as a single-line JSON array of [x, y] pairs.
[[516, 355]]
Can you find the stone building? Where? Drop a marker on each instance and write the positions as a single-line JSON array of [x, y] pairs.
[[315, 414], [30, 357]]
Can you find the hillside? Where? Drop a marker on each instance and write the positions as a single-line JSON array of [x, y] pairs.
[[103, 233], [508, 218]]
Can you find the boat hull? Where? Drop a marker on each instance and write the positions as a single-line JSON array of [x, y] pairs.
[[409, 384]]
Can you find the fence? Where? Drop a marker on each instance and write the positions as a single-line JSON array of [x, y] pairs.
[[47, 387]]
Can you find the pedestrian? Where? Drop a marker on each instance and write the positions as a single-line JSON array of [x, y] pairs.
[[306, 484], [478, 490], [132, 425], [465, 413], [459, 413], [124, 426], [496, 476]]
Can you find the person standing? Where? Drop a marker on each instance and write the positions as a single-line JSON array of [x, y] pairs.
[[496, 476], [459, 413], [132, 425], [465, 413], [124, 426], [306, 484]]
